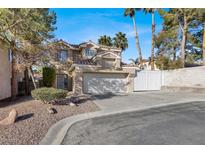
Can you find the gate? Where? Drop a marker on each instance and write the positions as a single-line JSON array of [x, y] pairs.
[[147, 80]]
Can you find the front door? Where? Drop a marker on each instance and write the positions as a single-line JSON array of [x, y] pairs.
[[62, 81]]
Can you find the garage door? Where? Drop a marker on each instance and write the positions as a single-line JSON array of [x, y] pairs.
[[102, 83]]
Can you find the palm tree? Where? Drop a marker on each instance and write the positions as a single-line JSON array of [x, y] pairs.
[[131, 13], [134, 61], [120, 41], [105, 40], [152, 11]]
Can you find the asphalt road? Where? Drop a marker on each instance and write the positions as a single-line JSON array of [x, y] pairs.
[[178, 124]]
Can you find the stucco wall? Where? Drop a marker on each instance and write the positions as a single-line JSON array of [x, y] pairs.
[[5, 75], [194, 76]]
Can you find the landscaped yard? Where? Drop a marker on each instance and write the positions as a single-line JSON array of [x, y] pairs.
[[34, 120]]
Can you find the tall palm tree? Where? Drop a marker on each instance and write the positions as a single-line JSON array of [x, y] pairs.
[[131, 13], [152, 11], [105, 40], [120, 41]]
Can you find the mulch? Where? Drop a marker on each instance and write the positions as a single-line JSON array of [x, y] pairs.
[[34, 120]]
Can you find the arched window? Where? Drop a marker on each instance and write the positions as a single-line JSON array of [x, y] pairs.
[[89, 53]]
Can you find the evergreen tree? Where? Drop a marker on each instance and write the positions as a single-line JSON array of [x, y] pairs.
[[25, 31]]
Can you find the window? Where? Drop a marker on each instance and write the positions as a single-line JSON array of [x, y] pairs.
[[63, 55], [89, 53], [9, 55]]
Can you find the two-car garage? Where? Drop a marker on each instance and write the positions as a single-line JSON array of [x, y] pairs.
[[102, 83]]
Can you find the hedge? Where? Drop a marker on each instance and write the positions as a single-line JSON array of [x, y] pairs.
[[49, 76], [46, 95]]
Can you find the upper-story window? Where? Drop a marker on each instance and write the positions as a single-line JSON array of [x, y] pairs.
[[89, 53], [63, 55], [9, 55]]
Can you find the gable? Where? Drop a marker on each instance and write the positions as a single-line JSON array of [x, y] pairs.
[[108, 55], [89, 45]]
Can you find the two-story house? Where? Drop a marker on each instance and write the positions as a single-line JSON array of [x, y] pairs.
[[95, 69], [92, 68]]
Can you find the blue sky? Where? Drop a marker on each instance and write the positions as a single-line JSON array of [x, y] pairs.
[[80, 25]]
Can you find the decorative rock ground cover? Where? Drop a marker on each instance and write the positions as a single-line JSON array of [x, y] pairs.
[[34, 120]]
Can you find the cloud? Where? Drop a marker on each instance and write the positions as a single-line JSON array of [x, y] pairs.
[[142, 30]]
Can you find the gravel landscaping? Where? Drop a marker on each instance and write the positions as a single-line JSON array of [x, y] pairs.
[[34, 120]]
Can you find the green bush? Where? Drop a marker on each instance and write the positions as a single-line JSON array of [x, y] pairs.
[[47, 95], [49, 76]]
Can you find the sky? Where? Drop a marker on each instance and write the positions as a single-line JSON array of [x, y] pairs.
[[80, 25]]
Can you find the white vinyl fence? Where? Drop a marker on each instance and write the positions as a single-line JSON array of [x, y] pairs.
[[153, 80], [147, 80]]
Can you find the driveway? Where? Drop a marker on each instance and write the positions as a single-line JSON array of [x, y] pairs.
[[111, 105], [144, 99], [175, 124]]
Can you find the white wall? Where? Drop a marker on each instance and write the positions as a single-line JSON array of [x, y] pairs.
[[194, 76]]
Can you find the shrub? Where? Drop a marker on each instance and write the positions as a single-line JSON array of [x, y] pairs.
[[46, 95], [164, 63], [49, 76]]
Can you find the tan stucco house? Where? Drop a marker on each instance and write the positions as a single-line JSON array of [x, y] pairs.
[[94, 69], [91, 69], [5, 72]]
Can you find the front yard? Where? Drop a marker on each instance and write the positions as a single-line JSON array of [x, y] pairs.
[[34, 120]]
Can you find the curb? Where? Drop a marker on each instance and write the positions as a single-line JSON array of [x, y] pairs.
[[57, 132]]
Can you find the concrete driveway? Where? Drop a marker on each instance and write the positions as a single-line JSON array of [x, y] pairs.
[[176, 124], [144, 99], [127, 120]]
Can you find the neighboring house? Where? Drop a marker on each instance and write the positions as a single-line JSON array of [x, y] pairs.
[[146, 65], [95, 69], [5, 72]]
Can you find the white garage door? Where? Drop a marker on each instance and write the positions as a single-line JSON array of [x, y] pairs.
[[102, 83]]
